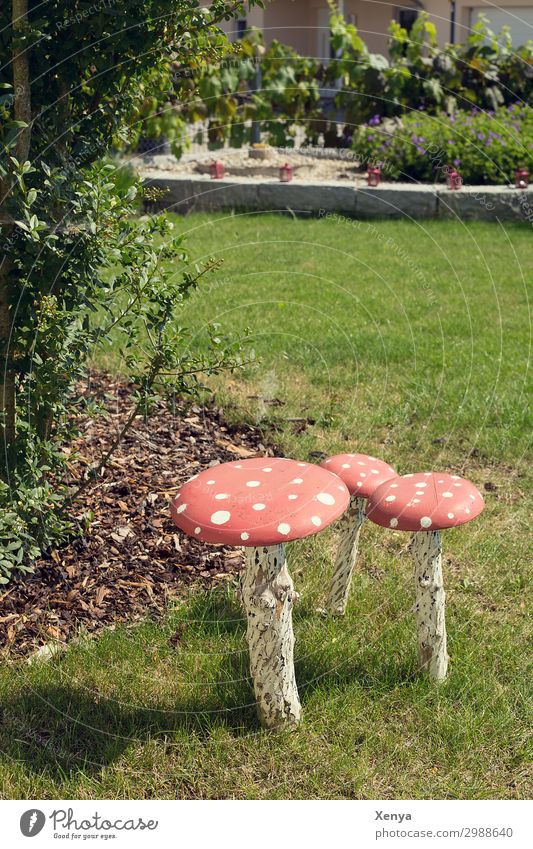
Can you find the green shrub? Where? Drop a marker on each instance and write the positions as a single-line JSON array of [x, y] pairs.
[[484, 71], [484, 147]]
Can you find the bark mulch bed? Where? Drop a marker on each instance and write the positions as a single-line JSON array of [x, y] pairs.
[[131, 560]]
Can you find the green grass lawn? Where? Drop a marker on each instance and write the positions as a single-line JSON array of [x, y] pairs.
[[409, 341]]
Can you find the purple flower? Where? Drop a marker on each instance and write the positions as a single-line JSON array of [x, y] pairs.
[[451, 141], [480, 136], [375, 120], [457, 162]]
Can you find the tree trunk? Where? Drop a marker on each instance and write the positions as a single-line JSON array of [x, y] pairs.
[[426, 548], [349, 530], [21, 79], [268, 596], [22, 112]]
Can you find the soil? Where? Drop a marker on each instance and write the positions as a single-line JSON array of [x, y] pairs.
[[132, 559]]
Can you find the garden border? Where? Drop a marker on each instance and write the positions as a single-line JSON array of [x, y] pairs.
[[199, 193]]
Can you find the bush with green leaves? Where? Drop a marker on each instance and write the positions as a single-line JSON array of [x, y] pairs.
[[486, 148], [75, 263], [230, 95], [485, 71]]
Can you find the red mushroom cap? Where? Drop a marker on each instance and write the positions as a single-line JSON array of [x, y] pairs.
[[425, 501], [262, 501], [361, 473]]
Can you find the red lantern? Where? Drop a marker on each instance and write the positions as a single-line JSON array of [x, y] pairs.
[[285, 173], [216, 169], [521, 178], [454, 181], [373, 177]]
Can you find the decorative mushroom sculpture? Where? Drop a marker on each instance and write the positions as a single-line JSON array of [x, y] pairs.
[[426, 504], [362, 474], [261, 504]]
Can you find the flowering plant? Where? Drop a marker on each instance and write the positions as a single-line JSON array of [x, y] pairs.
[[486, 147]]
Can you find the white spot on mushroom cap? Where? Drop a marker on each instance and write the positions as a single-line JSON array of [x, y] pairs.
[[359, 483], [258, 506], [284, 528], [253, 483], [181, 508], [457, 484], [374, 471], [267, 469], [362, 475], [419, 492], [421, 484], [451, 516], [316, 520], [220, 496], [393, 523], [394, 486], [237, 466], [297, 480], [220, 517], [209, 483], [447, 494], [325, 498], [416, 500], [346, 466], [425, 522], [292, 496], [245, 536], [390, 498], [197, 530]]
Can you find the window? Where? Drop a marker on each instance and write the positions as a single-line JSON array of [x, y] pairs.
[[406, 18], [241, 28]]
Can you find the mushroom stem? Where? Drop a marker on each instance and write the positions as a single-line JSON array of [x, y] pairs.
[[268, 596], [350, 528], [426, 548]]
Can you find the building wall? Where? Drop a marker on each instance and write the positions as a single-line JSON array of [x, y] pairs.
[[301, 23], [439, 13]]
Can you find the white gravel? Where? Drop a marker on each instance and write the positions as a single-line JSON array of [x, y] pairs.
[[313, 164]]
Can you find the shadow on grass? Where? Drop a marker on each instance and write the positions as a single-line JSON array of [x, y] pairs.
[[62, 729]]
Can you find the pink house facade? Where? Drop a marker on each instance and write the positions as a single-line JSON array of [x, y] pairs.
[[304, 23]]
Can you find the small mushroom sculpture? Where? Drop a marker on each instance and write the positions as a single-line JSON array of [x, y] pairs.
[[261, 504], [362, 474], [427, 503]]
